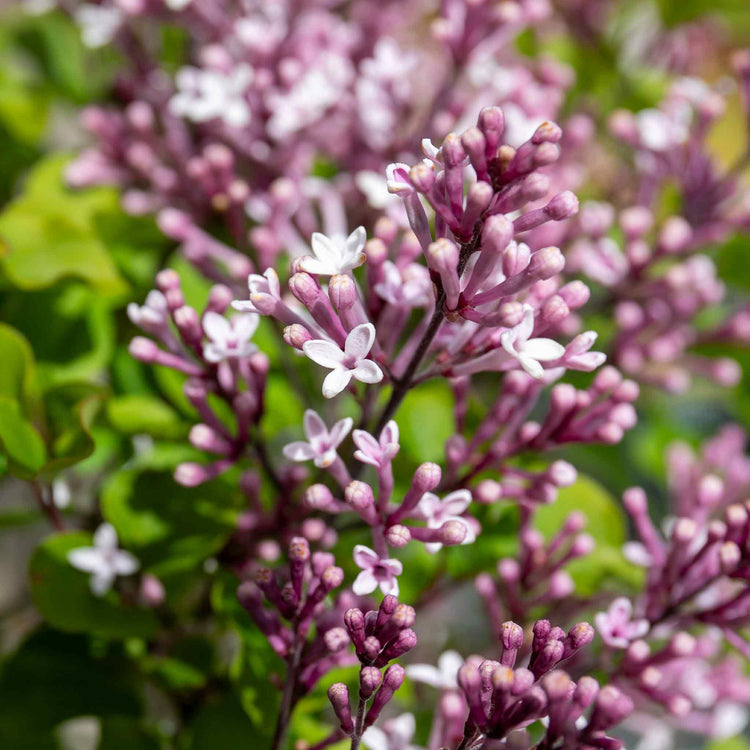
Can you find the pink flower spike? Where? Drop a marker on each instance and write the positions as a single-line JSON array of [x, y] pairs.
[[347, 364], [321, 443], [229, 338], [437, 512], [335, 254], [375, 572], [377, 452], [530, 352], [616, 627]]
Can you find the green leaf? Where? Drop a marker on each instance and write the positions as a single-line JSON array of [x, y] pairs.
[[134, 414], [223, 723], [20, 442], [54, 677], [63, 597], [735, 743], [124, 733], [52, 234], [17, 372], [172, 528]]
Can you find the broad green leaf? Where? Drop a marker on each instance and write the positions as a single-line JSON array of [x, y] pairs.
[[134, 414], [17, 371], [125, 733], [223, 723], [55, 676], [20, 441], [171, 528], [51, 233], [62, 595]]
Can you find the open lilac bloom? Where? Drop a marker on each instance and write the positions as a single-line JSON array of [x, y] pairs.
[[616, 627], [259, 286], [321, 443], [396, 734], [530, 352], [335, 254], [376, 572], [104, 560], [377, 452], [229, 338], [437, 512], [347, 363]]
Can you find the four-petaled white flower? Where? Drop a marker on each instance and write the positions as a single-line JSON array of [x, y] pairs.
[[104, 560], [347, 364], [616, 627], [444, 676], [99, 23], [376, 571], [437, 512], [228, 338], [396, 734], [335, 254], [321, 443], [267, 284], [377, 452], [152, 313], [530, 352], [205, 95]]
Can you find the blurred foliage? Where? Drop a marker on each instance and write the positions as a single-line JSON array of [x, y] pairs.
[[74, 404]]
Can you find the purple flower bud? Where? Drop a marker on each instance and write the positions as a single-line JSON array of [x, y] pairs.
[[491, 122], [579, 635], [452, 150], [392, 681], [371, 648], [546, 263], [487, 492], [342, 291], [338, 695], [152, 591], [143, 349], [562, 206], [612, 706], [547, 132], [398, 536], [523, 679], [558, 686], [422, 176], [336, 639], [453, 532], [359, 495], [370, 679], [296, 335]]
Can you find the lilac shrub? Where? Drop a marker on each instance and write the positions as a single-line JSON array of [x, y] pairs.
[[381, 201]]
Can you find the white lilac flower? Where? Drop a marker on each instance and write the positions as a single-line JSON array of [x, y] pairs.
[[616, 627], [396, 734], [375, 189], [205, 95], [229, 338], [335, 254], [443, 676], [397, 179], [152, 313], [104, 560], [347, 363], [321, 443], [99, 23], [530, 352], [376, 572], [177, 4], [267, 284], [659, 131], [409, 286], [377, 452], [437, 512]]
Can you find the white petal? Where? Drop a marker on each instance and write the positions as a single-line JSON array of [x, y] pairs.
[[543, 350], [389, 586], [526, 326], [360, 340], [367, 371], [125, 563], [315, 428], [532, 367], [449, 663], [101, 582], [105, 537], [325, 250], [340, 430], [375, 739], [425, 673], [324, 353], [245, 326], [298, 451], [457, 502], [336, 381], [364, 557], [317, 267], [365, 583], [87, 559], [216, 326]]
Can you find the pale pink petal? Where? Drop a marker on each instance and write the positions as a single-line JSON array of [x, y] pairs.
[[364, 557], [389, 586], [245, 326], [336, 381], [621, 610], [359, 341], [298, 451], [340, 430], [101, 582], [429, 506], [216, 326], [636, 553], [244, 306], [638, 628], [105, 537], [433, 547], [367, 371], [366, 442], [315, 428], [324, 353], [389, 434], [395, 566], [375, 739], [212, 353], [273, 282], [544, 350], [86, 559], [403, 727], [365, 583], [323, 461], [457, 502]]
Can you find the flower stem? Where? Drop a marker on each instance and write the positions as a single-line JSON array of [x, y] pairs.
[[287, 697], [359, 724]]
